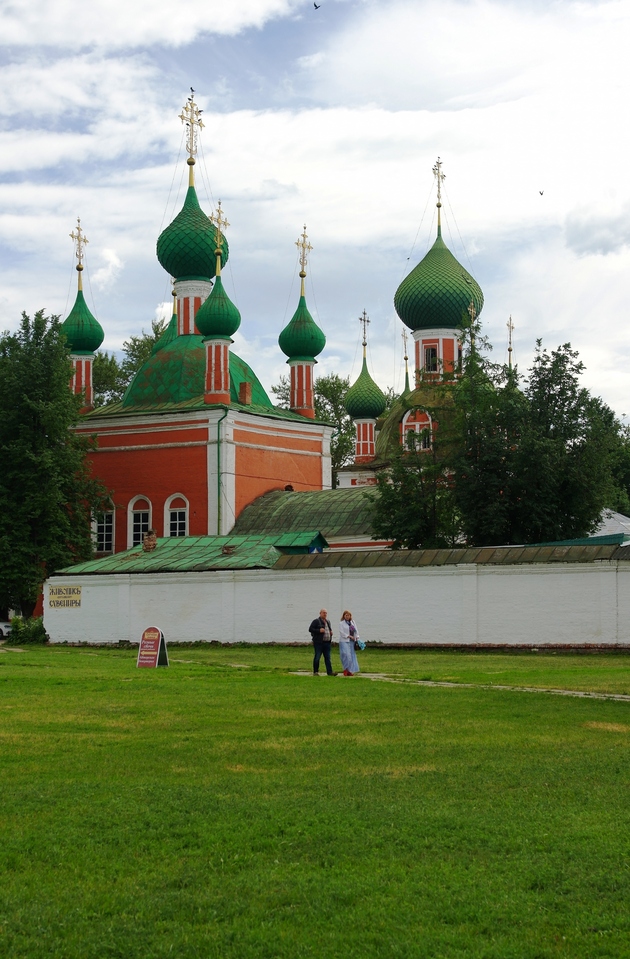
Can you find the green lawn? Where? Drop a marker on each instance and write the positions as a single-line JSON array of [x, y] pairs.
[[212, 810]]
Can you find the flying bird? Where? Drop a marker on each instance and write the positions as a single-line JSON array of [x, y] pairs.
[[541, 192], [317, 5]]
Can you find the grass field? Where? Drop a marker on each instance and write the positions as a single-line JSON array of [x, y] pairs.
[[227, 807]]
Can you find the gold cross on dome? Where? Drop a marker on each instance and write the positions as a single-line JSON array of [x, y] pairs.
[[220, 221], [80, 239], [364, 320], [472, 312], [305, 248], [510, 326], [191, 116], [440, 177], [404, 339]]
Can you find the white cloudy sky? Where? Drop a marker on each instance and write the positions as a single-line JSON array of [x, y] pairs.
[[333, 117]]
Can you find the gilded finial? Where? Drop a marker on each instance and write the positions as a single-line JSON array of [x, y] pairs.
[[364, 320], [305, 248], [221, 223], [80, 240], [510, 326], [191, 117], [440, 177]]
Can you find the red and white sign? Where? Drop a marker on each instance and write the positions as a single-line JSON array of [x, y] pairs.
[[152, 650]]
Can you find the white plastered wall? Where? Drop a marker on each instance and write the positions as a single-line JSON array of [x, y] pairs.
[[555, 604]]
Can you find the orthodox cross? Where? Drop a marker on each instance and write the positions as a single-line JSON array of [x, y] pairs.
[[191, 116], [364, 320], [80, 239], [440, 177], [220, 221], [404, 339], [305, 248], [510, 326]]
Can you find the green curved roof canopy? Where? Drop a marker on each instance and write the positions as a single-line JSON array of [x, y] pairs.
[[186, 248], [437, 292], [82, 330], [302, 339]]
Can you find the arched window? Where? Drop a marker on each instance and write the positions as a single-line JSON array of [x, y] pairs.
[[417, 422], [138, 520], [176, 515]]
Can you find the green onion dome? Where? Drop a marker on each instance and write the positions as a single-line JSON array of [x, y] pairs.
[[437, 292], [82, 330], [186, 248], [302, 339], [217, 315], [364, 400]]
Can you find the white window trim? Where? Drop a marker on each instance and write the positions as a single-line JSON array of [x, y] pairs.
[[130, 512], [110, 509], [167, 512]]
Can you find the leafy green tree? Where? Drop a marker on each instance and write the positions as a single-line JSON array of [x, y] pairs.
[[110, 377], [47, 493], [330, 393]]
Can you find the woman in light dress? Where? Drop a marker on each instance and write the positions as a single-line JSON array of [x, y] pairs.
[[348, 633]]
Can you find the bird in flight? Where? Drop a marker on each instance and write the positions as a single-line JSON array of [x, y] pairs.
[[317, 5], [541, 192]]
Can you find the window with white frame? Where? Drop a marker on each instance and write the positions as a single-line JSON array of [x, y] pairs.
[[430, 359], [104, 532], [417, 428], [139, 521], [176, 516]]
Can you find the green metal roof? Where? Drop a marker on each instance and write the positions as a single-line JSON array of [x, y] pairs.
[[437, 292], [483, 556], [81, 329], [176, 374], [186, 248], [336, 512], [197, 553], [364, 399], [302, 339]]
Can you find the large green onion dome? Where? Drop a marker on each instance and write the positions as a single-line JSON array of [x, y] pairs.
[[217, 315], [186, 248], [364, 400], [302, 339], [82, 330], [437, 292]]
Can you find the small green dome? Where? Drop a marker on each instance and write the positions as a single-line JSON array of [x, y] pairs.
[[217, 315], [186, 248], [437, 292], [82, 330], [364, 400], [302, 339]]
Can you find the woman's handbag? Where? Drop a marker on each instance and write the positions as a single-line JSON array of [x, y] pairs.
[[359, 644]]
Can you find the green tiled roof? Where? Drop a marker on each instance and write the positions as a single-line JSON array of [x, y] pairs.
[[169, 334], [437, 292], [336, 512], [186, 248], [302, 339], [364, 399], [198, 553], [81, 329], [217, 315], [175, 374]]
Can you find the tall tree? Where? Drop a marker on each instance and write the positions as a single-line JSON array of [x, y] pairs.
[[47, 494]]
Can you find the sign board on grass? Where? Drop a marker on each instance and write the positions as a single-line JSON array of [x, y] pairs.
[[152, 650]]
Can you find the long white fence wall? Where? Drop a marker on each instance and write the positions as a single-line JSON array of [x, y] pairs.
[[558, 604]]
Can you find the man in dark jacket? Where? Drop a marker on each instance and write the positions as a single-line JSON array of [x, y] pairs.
[[321, 634]]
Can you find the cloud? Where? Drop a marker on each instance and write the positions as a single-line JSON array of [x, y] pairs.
[[105, 276], [589, 232], [124, 25]]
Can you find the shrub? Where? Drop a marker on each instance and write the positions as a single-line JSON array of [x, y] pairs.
[[27, 631]]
